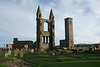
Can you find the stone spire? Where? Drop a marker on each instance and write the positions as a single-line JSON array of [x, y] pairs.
[[51, 15], [38, 10], [39, 15]]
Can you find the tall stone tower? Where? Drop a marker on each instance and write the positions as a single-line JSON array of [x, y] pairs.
[[45, 39], [69, 32]]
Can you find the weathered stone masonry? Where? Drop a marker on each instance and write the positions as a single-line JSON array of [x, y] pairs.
[[69, 32], [45, 39], [68, 42]]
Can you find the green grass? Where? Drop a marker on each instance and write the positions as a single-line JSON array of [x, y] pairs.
[[5, 59], [47, 60], [3, 66], [74, 60]]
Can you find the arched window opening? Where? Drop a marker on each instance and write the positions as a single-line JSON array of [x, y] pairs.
[[45, 26], [48, 39], [42, 40], [53, 26], [70, 21]]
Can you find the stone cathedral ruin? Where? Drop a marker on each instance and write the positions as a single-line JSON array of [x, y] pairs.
[[45, 39]]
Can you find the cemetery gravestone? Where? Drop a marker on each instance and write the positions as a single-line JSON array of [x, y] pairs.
[[9, 52], [21, 53], [32, 50], [15, 52], [53, 54], [6, 54]]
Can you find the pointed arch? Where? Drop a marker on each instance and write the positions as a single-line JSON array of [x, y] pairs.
[[45, 26]]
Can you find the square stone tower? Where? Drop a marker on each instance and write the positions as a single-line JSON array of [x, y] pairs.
[[69, 32], [45, 39]]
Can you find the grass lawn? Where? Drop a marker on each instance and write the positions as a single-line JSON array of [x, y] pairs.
[[71, 60], [2, 59], [3, 66], [5, 59]]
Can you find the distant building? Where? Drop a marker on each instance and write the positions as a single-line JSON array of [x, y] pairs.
[[97, 45], [68, 42], [9, 46], [62, 43], [22, 44]]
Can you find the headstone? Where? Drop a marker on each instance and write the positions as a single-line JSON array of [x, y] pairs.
[[95, 48], [32, 50], [9, 52], [6, 54], [53, 54], [21, 53], [15, 52]]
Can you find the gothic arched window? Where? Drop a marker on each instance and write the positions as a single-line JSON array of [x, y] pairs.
[[45, 26]]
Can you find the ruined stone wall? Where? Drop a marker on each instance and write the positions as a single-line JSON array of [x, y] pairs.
[[20, 44], [45, 39], [62, 43]]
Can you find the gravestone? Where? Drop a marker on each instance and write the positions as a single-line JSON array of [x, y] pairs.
[[21, 53], [32, 50], [95, 48], [53, 54], [9, 52], [15, 52], [6, 54]]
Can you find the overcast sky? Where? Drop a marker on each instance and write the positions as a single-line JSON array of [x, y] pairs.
[[18, 19]]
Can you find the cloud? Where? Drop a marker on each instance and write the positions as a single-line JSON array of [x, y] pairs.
[[18, 19]]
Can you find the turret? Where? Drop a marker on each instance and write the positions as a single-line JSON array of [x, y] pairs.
[[39, 15], [51, 17]]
